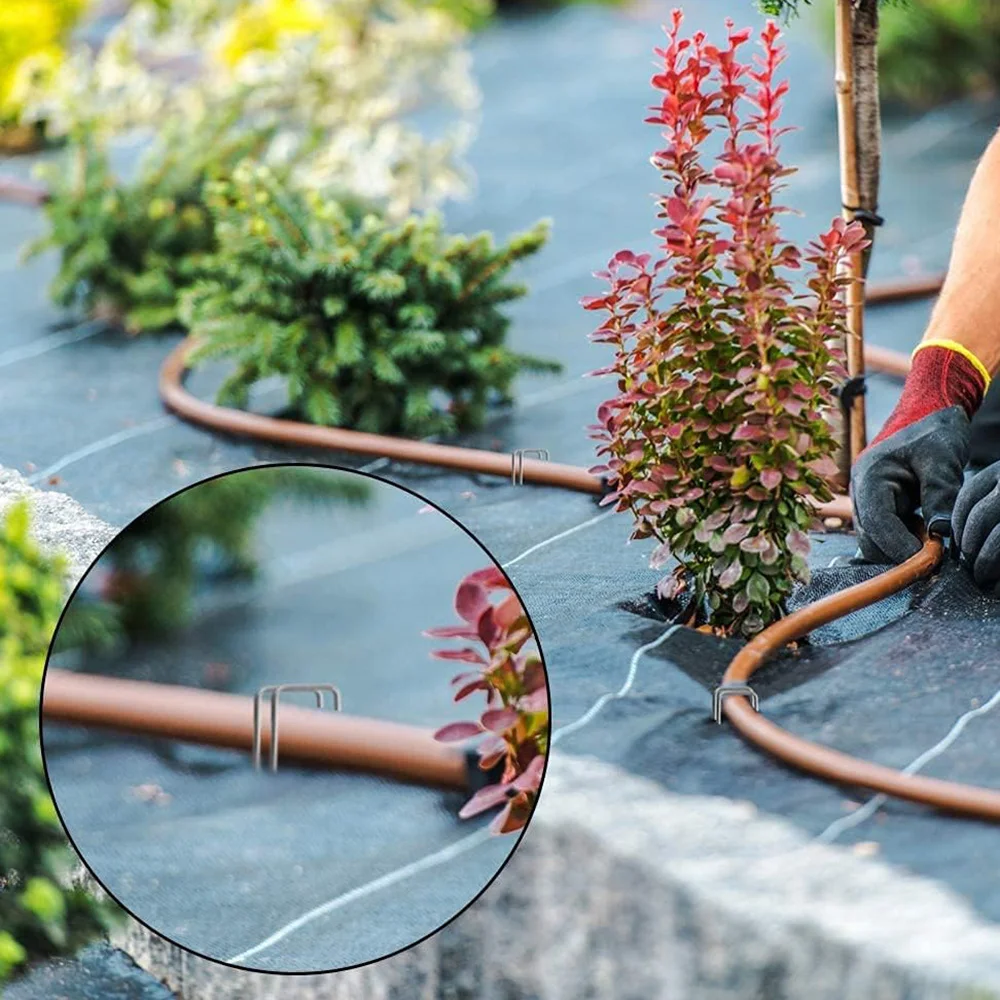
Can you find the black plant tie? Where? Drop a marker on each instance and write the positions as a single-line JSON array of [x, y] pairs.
[[865, 215]]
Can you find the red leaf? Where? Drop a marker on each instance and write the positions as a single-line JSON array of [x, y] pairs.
[[499, 720], [489, 760], [467, 655], [491, 577], [485, 799], [452, 632], [531, 779], [471, 600], [770, 479], [537, 701], [514, 816], [487, 628], [749, 432], [508, 612], [477, 685], [456, 732]]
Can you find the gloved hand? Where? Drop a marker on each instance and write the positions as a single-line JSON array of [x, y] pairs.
[[975, 526], [918, 458]]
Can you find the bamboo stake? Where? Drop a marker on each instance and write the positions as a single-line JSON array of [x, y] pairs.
[[867, 115], [855, 437]]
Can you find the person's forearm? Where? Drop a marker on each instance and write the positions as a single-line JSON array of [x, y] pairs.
[[968, 309]]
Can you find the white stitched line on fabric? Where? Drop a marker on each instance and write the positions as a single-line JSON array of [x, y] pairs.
[[467, 843], [555, 538], [102, 445], [633, 669], [390, 539], [383, 882], [453, 850], [836, 828], [569, 387], [45, 344]]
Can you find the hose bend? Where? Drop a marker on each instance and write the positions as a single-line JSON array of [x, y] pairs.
[[832, 765]]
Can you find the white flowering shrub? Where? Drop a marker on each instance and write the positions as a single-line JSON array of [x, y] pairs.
[[339, 80]]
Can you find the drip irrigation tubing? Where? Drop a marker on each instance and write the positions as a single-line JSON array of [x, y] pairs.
[[832, 765], [219, 719], [282, 431], [215, 718]]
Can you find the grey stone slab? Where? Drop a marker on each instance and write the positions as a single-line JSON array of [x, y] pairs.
[[693, 896], [99, 972], [58, 522]]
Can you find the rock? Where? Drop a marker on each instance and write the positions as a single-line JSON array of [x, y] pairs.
[[99, 972], [622, 891], [58, 523]]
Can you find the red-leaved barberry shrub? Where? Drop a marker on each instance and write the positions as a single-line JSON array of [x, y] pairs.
[[508, 669], [720, 439]]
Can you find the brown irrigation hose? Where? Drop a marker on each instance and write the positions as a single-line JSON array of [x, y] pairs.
[[832, 765], [904, 289], [330, 739], [239, 422], [230, 421]]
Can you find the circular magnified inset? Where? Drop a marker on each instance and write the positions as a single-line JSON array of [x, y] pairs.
[[295, 719]]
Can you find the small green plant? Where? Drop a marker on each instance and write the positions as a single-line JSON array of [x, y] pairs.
[[375, 326], [145, 580], [785, 9], [514, 727], [128, 248], [41, 912], [720, 438]]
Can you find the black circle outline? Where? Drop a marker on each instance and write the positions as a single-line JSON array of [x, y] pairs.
[[333, 468]]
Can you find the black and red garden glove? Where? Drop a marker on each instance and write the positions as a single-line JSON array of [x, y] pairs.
[[918, 459], [976, 526]]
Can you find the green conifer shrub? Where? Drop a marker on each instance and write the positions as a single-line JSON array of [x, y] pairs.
[[42, 913], [932, 51], [129, 247], [378, 326]]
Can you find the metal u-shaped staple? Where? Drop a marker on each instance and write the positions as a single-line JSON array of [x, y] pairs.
[[275, 692], [719, 694], [517, 462]]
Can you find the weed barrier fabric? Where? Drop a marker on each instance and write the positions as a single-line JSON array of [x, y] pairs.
[[886, 686], [219, 857]]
